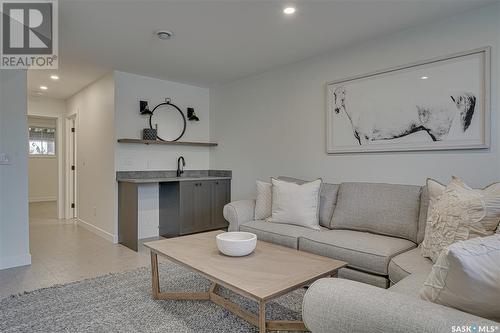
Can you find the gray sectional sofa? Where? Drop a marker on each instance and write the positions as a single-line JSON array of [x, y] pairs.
[[376, 228]]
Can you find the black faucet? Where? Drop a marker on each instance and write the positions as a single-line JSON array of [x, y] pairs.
[[180, 170]]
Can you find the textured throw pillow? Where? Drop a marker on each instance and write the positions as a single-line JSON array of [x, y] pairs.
[[466, 276], [430, 192], [263, 203], [327, 199], [459, 213], [296, 204]]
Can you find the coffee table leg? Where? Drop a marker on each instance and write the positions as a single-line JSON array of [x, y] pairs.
[[262, 317], [213, 288], [157, 294], [154, 275]]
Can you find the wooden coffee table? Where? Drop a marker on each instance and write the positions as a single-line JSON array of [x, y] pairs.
[[269, 272]]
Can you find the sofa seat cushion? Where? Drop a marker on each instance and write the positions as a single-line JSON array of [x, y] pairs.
[[278, 233], [408, 263], [410, 285], [361, 250]]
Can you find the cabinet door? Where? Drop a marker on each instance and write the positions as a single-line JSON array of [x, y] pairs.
[[221, 195], [188, 204], [203, 206], [169, 202]]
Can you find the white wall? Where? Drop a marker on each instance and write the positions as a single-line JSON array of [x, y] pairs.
[[14, 228], [43, 170], [43, 177], [95, 135], [53, 108], [274, 123], [129, 90]]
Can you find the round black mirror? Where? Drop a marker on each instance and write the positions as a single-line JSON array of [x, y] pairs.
[[168, 124]]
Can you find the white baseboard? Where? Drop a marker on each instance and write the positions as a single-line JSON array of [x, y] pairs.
[[98, 231], [42, 199], [15, 261]]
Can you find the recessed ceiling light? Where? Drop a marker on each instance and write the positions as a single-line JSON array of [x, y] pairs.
[[164, 34], [54, 77], [43, 87], [424, 77], [289, 10]]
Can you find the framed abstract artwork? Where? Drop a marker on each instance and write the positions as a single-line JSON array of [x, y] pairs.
[[437, 104]]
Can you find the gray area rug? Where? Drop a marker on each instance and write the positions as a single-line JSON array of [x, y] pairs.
[[122, 303]]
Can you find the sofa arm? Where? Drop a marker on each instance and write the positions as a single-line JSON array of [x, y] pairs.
[[239, 212], [338, 305]]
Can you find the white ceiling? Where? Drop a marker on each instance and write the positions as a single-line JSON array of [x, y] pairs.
[[218, 41]]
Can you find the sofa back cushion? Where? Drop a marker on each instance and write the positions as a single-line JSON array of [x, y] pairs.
[[327, 200], [385, 209], [422, 216]]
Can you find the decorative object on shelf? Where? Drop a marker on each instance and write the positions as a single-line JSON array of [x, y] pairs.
[[144, 108], [192, 115], [149, 134], [169, 105], [236, 243], [436, 104]]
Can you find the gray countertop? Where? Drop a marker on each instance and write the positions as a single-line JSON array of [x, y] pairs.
[[165, 176], [168, 179]]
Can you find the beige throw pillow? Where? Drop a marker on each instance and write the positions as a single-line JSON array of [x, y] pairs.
[[459, 213], [466, 276], [296, 204], [263, 203]]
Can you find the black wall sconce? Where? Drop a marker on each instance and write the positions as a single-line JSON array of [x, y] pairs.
[[191, 115]]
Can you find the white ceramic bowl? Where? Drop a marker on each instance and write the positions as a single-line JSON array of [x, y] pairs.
[[236, 243]]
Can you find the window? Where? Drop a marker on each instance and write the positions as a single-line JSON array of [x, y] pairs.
[[42, 141]]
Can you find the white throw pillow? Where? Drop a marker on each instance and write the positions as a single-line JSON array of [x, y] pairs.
[[435, 189], [466, 276], [459, 213], [296, 204], [263, 203]]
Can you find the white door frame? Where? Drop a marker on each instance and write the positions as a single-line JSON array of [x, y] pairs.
[[71, 149]]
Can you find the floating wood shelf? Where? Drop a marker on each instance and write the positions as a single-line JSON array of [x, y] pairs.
[[158, 142]]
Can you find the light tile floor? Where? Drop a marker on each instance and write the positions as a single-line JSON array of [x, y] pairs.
[[63, 252]]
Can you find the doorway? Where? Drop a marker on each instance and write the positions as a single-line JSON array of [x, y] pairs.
[[43, 167]]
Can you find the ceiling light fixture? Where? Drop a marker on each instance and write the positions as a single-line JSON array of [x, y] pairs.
[[164, 34], [424, 77], [289, 10], [54, 77], [43, 87]]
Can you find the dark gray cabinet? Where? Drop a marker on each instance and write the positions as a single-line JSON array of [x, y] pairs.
[[188, 207]]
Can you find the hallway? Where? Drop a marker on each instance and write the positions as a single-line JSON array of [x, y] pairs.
[[62, 252]]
